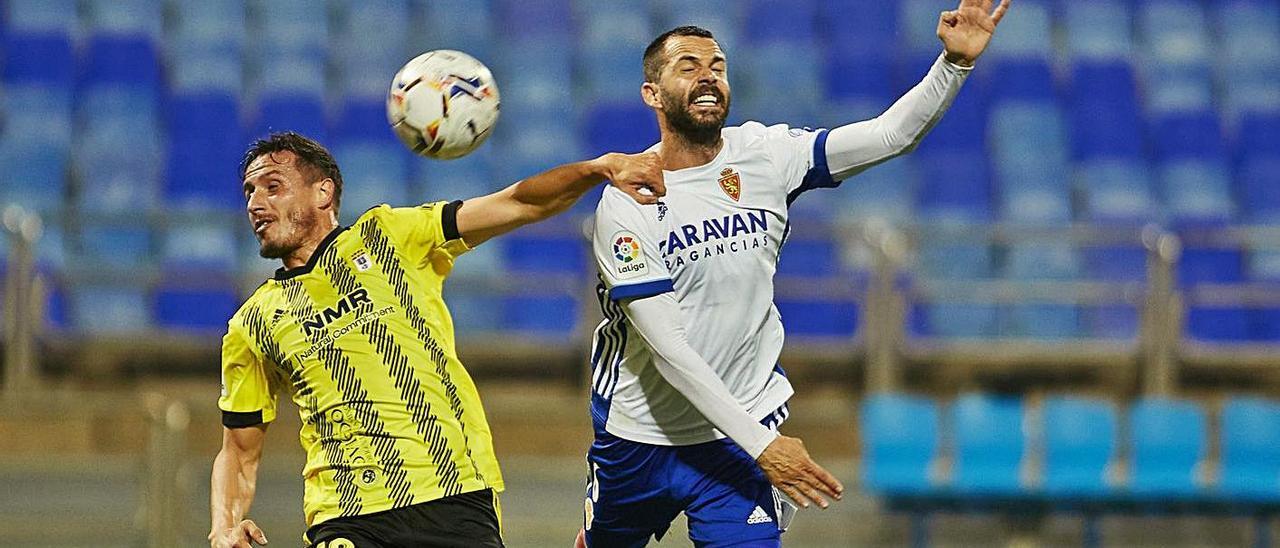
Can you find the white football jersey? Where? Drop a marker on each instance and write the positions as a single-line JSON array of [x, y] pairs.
[[713, 240]]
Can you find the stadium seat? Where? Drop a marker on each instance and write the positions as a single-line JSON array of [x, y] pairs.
[[1041, 320], [899, 443], [204, 243], [470, 176], [116, 245], [366, 65], [290, 111], [46, 58], [886, 191], [549, 317], [464, 25], [205, 147], [204, 307], [1028, 142], [108, 309], [1167, 440], [1250, 449], [1197, 191], [953, 187], [781, 21], [623, 127], [1104, 90], [122, 60], [372, 173], [142, 18], [988, 444], [533, 253], [945, 320], [783, 84], [298, 29], [35, 174], [56, 16], [1115, 191], [857, 88], [1098, 30], [1020, 79], [193, 70], [1113, 264], [724, 18], [534, 79], [877, 28], [1193, 134], [1175, 32], [809, 257], [539, 19], [204, 25], [818, 317], [474, 310], [1023, 32], [1249, 70], [1200, 265], [1079, 445], [117, 157]]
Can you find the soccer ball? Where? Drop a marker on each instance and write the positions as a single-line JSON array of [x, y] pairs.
[[443, 104]]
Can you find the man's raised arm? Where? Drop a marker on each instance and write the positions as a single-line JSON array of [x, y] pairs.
[[551, 192], [965, 33]]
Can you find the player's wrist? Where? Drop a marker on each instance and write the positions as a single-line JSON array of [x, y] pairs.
[[603, 165], [957, 59]]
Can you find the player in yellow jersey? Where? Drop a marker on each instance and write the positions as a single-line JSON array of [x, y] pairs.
[[354, 329]]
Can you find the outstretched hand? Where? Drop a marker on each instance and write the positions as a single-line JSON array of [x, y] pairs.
[[966, 31], [790, 468], [638, 175]]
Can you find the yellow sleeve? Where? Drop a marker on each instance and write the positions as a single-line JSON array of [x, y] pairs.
[[426, 234], [248, 387]]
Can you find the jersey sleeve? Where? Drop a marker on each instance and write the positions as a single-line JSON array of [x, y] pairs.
[[625, 245], [424, 233], [799, 155], [249, 389]]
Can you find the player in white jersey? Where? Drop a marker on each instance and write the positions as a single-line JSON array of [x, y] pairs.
[[687, 392]]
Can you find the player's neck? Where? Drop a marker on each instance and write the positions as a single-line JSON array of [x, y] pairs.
[[679, 152], [299, 257]]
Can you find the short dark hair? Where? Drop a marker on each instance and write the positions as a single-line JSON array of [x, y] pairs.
[[314, 161], [653, 59]]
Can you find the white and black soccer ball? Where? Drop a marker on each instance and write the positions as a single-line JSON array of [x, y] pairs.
[[443, 104]]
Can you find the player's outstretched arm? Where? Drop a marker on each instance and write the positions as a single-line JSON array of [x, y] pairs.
[[965, 34], [783, 459], [551, 192], [235, 478]]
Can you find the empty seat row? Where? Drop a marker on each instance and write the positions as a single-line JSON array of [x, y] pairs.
[[1079, 446]]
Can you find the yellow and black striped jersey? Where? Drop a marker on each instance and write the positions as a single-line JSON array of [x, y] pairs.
[[361, 340]]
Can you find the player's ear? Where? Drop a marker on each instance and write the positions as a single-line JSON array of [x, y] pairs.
[[649, 92], [324, 193]]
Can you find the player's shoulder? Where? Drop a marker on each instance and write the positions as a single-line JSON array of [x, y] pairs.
[[252, 308]]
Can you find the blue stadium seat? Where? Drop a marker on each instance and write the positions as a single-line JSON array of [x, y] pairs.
[[1113, 264], [203, 307], [955, 320], [809, 257], [1167, 440], [629, 128], [1098, 29], [818, 317], [782, 84], [127, 60], [1176, 32], [781, 21], [724, 18], [537, 19], [1198, 190], [1079, 444], [116, 246], [1250, 450], [1020, 79], [26, 16], [877, 28], [35, 174], [1041, 321], [45, 58], [917, 26], [210, 25], [362, 119], [942, 260], [1259, 135], [549, 317], [125, 17], [899, 442], [1023, 32], [35, 113], [1028, 141], [207, 243], [473, 310], [117, 157], [466, 177], [290, 111], [298, 28], [953, 186], [107, 309], [205, 147], [857, 88], [366, 65], [1105, 90], [193, 70], [1199, 266], [542, 253], [1259, 184], [886, 191], [1194, 134], [535, 79], [1116, 191], [464, 25], [615, 26], [963, 129], [372, 173], [988, 444], [1249, 70]]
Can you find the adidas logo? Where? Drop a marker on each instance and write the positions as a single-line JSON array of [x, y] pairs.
[[758, 516]]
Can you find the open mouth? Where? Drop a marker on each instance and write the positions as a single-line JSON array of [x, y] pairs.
[[260, 226], [706, 100]]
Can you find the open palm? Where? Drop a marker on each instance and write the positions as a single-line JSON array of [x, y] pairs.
[[966, 31]]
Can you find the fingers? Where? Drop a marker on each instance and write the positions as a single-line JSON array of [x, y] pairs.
[[637, 193], [1000, 10], [827, 483], [949, 18], [254, 531]]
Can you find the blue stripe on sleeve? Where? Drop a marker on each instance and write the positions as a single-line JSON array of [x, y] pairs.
[[646, 289], [818, 176]]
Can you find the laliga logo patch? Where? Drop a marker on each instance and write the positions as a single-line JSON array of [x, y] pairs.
[[730, 183], [628, 258]]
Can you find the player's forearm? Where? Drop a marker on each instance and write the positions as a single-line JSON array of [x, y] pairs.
[[553, 191], [232, 487], [658, 320], [856, 147]]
